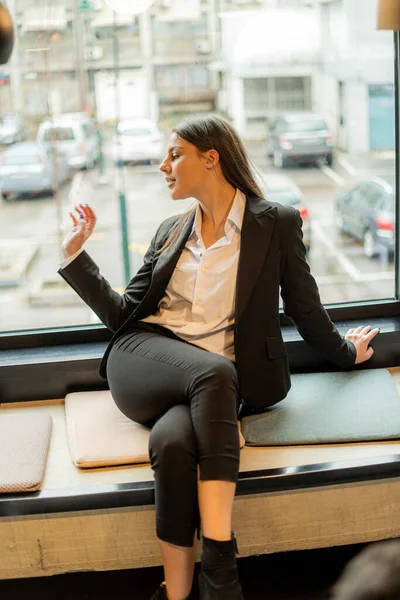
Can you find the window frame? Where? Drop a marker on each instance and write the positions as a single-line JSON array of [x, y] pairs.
[[346, 312]]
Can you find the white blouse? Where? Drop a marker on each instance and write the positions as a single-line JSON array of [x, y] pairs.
[[199, 301]]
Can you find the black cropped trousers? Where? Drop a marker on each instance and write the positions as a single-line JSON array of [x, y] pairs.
[[189, 397]]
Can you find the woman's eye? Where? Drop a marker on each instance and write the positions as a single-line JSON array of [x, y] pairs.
[[174, 156]]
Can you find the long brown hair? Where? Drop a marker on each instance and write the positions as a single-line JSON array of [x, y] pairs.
[[208, 132]]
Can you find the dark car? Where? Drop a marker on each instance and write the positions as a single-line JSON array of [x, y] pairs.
[[299, 138], [278, 188], [367, 213]]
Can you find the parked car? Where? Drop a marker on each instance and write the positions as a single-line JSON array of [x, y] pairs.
[[73, 134], [299, 138], [366, 211], [278, 188], [12, 128], [138, 140], [28, 167]]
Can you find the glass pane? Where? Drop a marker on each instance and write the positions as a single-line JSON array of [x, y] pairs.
[[308, 86], [305, 125], [58, 134], [285, 198]]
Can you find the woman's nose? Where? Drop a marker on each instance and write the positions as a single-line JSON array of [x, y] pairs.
[[163, 167]]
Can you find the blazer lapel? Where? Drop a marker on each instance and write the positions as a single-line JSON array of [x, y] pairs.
[[257, 228], [167, 261]]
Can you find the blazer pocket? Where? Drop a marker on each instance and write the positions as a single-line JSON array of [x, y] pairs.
[[275, 347]]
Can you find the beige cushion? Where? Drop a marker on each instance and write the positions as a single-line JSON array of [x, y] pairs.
[[24, 446], [100, 435]]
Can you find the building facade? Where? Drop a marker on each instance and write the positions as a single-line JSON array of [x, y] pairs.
[[248, 59], [320, 55]]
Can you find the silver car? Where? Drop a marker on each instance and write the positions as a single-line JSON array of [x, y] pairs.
[[136, 141], [29, 168], [12, 128], [74, 135]]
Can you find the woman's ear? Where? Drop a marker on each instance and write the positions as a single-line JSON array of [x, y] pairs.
[[212, 158], [6, 34]]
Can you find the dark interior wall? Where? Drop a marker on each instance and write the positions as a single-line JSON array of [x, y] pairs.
[[40, 373]]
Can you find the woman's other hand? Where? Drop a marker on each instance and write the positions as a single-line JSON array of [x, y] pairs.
[[361, 337], [82, 229]]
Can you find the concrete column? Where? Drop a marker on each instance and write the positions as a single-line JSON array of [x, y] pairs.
[[214, 37], [237, 104], [356, 101], [146, 47], [213, 28], [79, 41], [14, 66]]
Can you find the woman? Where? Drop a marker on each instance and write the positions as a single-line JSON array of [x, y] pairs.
[[197, 332]]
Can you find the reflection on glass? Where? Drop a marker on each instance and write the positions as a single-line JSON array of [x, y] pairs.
[[309, 88]]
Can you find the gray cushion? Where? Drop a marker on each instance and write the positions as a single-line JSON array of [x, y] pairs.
[[323, 408]]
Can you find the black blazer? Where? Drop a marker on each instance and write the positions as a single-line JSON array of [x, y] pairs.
[[272, 255]]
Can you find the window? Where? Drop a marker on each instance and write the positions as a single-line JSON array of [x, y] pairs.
[[59, 134], [88, 129], [374, 196], [359, 196], [304, 126], [309, 86]]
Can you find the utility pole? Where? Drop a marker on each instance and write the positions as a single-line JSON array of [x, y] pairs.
[[14, 66], [146, 44], [120, 167], [79, 42]]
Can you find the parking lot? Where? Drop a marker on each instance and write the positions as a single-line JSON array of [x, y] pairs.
[[342, 271]]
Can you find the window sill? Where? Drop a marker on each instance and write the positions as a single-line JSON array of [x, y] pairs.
[[47, 372]]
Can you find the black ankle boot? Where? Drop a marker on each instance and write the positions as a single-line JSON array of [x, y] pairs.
[[219, 578], [161, 593]]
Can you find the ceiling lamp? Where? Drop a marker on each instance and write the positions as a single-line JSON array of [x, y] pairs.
[[389, 15], [6, 34]]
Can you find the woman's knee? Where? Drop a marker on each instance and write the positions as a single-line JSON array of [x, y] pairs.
[[216, 386], [172, 438], [221, 372]]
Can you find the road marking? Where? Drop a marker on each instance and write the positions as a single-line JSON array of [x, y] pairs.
[[7, 299], [347, 166], [139, 248], [354, 274], [342, 278], [54, 239], [347, 265], [333, 175], [387, 155], [324, 222], [382, 276]]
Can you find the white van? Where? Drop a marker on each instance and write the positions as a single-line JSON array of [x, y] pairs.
[[74, 135]]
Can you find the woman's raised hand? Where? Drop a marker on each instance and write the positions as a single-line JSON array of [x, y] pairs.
[[83, 225]]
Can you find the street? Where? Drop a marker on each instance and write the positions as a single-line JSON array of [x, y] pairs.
[[342, 271]]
